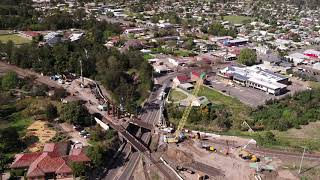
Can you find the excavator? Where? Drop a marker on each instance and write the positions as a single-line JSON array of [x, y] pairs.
[[179, 136]]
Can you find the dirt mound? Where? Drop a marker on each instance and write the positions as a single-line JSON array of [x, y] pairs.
[[179, 156]]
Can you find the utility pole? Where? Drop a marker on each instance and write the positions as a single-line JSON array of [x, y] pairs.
[[304, 150], [81, 67]]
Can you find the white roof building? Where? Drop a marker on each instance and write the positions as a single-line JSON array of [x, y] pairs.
[[257, 78], [200, 101], [316, 66], [297, 58], [75, 36]]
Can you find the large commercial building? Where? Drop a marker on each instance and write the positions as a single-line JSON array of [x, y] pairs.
[[257, 78]]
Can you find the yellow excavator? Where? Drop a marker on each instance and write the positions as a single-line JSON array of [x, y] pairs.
[[178, 136]]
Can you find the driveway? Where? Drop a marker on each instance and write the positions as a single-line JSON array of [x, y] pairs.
[[75, 136]]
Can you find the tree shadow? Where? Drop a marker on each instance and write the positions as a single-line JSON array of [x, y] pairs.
[[114, 163]]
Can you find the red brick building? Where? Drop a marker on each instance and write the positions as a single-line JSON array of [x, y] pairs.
[[53, 163]]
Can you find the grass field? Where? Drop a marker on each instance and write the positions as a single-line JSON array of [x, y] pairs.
[[308, 136], [177, 96], [239, 111], [147, 56], [237, 19], [15, 38], [183, 53]]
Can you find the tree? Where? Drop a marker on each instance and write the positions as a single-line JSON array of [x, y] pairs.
[[9, 139], [9, 80], [247, 57], [96, 154], [189, 44], [78, 169], [296, 38], [51, 111], [75, 113], [59, 93], [266, 138]]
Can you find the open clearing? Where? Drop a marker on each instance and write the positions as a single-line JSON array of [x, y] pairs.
[[239, 111], [15, 38], [237, 19], [177, 96], [41, 130], [308, 136]]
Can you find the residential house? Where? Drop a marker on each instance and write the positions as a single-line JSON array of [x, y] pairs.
[[54, 162], [181, 79], [201, 101], [297, 58], [29, 34]]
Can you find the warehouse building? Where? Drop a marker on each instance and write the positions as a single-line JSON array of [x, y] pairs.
[[257, 78]]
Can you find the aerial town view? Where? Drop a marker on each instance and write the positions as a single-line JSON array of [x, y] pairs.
[[160, 89]]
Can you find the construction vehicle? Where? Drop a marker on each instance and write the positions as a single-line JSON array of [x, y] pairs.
[[248, 156], [209, 148], [178, 136]]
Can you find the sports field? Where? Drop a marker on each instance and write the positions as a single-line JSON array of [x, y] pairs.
[[15, 38], [237, 19]]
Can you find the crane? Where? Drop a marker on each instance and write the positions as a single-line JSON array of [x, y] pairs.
[[187, 111]]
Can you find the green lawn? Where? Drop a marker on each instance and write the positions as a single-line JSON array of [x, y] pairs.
[[15, 38], [147, 56], [177, 96], [237, 19], [239, 111], [183, 53]]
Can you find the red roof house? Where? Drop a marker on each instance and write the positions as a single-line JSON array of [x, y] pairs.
[[181, 79], [29, 34], [195, 75], [54, 162]]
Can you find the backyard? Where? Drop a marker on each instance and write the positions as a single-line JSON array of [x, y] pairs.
[[14, 38]]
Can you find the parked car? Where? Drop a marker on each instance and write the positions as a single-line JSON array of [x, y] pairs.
[[87, 136]]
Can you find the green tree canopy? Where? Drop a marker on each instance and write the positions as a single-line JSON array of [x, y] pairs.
[[51, 111], [9, 80], [247, 57], [75, 113]]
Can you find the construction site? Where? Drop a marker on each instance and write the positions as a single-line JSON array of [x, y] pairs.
[[198, 155]]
